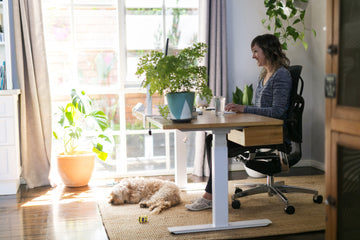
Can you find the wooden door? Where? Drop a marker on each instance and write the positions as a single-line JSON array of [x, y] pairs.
[[342, 129]]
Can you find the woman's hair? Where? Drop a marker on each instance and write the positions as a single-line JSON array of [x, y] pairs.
[[273, 52]]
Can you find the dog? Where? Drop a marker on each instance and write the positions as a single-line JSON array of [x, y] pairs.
[[155, 194]]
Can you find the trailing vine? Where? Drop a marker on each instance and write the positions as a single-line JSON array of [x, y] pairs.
[[287, 21]]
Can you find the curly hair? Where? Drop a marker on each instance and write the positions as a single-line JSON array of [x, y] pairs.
[[273, 52]]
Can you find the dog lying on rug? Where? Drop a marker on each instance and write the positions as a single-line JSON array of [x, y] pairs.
[[155, 194]]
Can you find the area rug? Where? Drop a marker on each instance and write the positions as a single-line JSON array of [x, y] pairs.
[[121, 222]]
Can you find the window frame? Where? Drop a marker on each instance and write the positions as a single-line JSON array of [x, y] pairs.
[[122, 90]]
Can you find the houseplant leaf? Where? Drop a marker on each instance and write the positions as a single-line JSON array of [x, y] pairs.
[[100, 118], [80, 101], [98, 150], [237, 96], [247, 97]]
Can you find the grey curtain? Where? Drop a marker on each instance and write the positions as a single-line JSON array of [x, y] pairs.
[[217, 69], [35, 102], [217, 54]]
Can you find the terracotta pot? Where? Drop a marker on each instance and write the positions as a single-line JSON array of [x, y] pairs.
[[76, 170]]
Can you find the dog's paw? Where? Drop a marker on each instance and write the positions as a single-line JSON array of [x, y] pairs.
[[111, 199], [143, 205], [155, 210]]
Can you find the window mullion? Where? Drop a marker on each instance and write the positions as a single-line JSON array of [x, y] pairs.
[[164, 21], [74, 45], [121, 165]]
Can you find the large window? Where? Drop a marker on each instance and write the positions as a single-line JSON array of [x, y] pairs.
[[94, 45]]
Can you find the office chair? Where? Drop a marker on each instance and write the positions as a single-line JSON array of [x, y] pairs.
[[281, 156]]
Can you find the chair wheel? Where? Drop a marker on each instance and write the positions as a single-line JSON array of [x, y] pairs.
[[289, 209], [238, 190], [318, 199], [235, 204]]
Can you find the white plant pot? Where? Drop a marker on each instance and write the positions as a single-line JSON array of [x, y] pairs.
[[200, 102]]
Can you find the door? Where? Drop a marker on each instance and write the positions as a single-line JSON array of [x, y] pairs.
[[342, 130]]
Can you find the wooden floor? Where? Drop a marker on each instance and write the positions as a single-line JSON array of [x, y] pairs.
[[71, 213]]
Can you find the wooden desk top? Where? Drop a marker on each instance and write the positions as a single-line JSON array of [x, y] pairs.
[[208, 121]]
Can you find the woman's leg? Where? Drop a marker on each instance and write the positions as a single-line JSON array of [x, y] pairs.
[[208, 146], [205, 202], [233, 150]]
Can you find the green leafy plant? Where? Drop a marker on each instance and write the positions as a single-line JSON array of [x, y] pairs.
[[180, 73], [164, 111], [286, 21], [243, 97], [78, 117]]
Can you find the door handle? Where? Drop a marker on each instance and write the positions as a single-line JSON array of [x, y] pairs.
[[332, 49], [331, 201]]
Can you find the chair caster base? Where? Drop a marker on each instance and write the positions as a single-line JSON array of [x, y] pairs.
[[318, 199], [289, 209], [235, 204]]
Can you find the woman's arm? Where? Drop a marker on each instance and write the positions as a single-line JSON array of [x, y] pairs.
[[234, 107]]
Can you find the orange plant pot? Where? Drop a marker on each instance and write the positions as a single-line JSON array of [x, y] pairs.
[[76, 170]]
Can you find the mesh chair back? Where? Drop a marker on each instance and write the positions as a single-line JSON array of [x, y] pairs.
[[293, 124]]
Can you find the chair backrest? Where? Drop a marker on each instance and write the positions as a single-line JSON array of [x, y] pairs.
[[293, 123]]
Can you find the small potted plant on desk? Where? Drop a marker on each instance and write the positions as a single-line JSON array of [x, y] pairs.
[[76, 119], [178, 77]]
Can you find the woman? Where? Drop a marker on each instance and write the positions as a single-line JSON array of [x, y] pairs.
[[272, 97]]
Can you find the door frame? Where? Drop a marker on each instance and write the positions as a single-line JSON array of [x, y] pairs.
[[342, 123]]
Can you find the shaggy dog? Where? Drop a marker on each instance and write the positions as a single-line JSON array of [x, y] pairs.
[[155, 194]]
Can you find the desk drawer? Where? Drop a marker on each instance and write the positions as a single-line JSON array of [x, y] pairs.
[[255, 136]]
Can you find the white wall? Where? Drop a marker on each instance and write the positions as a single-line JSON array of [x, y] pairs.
[[318, 52], [243, 24]]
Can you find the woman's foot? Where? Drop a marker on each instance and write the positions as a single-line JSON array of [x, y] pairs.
[[206, 195], [199, 204]]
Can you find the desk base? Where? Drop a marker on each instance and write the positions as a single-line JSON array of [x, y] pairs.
[[211, 227]]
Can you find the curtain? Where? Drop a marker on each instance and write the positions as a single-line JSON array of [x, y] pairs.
[[35, 102], [217, 69], [217, 54]]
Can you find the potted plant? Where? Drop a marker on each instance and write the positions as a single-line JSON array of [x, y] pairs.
[[287, 20], [178, 77], [243, 97], [77, 119]]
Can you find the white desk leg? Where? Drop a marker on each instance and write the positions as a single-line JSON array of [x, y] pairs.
[[180, 159], [220, 209], [220, 178]]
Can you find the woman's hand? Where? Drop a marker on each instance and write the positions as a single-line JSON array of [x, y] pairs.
[[234, 107]]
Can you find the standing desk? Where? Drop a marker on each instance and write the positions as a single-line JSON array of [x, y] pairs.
[[244, 128]]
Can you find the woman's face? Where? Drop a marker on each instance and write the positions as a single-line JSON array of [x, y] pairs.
[[258, 54]]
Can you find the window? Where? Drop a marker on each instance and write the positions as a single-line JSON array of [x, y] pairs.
[[94, 45]]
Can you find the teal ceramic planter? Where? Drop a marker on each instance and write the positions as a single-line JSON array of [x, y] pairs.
[[181, 106]]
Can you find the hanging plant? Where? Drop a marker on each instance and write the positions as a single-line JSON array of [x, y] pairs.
[[286, 20]]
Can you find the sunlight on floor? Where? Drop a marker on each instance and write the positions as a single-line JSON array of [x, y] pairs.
[[62, 195]]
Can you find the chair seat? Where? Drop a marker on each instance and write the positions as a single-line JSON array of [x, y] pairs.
[[265, 167]]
